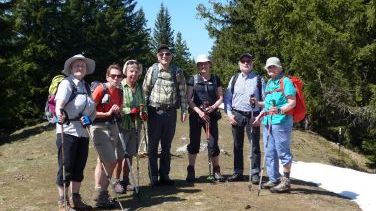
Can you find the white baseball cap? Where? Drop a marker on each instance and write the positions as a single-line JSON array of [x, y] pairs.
[[273, 61]]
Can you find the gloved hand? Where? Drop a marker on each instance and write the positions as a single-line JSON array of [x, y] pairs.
[[85, 120], [144, 116]]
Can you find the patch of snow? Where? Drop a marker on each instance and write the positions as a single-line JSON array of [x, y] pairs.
[[358, 186]]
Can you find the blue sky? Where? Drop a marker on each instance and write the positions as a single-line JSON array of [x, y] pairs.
[[183, 19]]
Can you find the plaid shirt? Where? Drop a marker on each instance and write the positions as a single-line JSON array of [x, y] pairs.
[[164, 92], [131, 100]]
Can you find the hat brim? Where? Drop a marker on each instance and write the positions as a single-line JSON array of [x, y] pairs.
[[90, 65], [268, 65]]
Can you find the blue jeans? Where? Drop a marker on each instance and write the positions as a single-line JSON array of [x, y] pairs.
[[253, 134], [277, 147], [161, 127]]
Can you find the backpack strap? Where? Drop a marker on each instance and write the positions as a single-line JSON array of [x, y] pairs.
[[235, 77], [259, 87]]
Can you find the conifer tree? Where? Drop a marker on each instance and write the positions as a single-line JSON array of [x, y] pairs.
[[163, 33], [182, 56]]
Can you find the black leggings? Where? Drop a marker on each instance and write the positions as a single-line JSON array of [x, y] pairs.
[[76, 150], [195, 125]]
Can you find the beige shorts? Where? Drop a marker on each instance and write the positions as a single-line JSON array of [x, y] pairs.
[[132, 141], [105, 138]]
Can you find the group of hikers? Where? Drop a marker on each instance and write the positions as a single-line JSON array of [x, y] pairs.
[[113, 114]]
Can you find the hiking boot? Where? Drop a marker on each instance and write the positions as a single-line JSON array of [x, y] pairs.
[[104, 201], [268, 185], [282, 187], [166, 181], [77, 203], [118, 187], [217, 174], [62, 207], [190, 174], [235, 177], [254, 179]]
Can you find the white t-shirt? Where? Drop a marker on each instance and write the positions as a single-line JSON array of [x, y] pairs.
[[81, 104]]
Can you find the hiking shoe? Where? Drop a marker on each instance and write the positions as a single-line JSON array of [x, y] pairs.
[[268, 185], [282, 187], [62, 207], [166, 181], [76, 201], [255, 179], [118, 187], [235, 177], [217, 174], [190, 174], [104, 200]]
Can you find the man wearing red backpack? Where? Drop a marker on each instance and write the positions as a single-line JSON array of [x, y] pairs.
[[277, 125]]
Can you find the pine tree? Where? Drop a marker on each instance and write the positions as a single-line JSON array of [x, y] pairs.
[[163, 33], [182, 56]]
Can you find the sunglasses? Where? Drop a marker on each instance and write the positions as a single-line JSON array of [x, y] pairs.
[[114, 76], [246, 61], [164, 54]]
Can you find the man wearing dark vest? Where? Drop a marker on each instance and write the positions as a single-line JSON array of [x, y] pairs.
[[165, 91]]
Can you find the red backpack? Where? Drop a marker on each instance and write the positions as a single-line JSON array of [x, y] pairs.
[[300, 110]]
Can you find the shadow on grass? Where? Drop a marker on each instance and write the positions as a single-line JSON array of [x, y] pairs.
[[150, 196], [25, 133]]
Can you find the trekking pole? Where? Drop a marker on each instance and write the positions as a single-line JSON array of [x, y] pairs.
[[339, 141], [144, 128], [102, 164], [62, 111], [207, 131], [253, 105], [123, 143], [266, 146]]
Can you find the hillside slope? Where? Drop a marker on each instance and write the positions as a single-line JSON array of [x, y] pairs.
[[28, 170]]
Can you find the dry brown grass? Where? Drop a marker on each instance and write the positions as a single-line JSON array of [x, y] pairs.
[[28, 169]]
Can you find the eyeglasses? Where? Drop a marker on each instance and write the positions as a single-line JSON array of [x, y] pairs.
[[248, 61], [164, 54], [114, 76]]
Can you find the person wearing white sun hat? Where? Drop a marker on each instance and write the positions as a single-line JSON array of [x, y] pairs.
[[72, 138]]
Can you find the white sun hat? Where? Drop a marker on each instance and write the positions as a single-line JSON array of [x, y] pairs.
[[202, 58], [273, 61], [90, 64]]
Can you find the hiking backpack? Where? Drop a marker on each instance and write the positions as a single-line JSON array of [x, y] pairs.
[[105, 98], [176, 77], [49, 109], [300, 110]]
